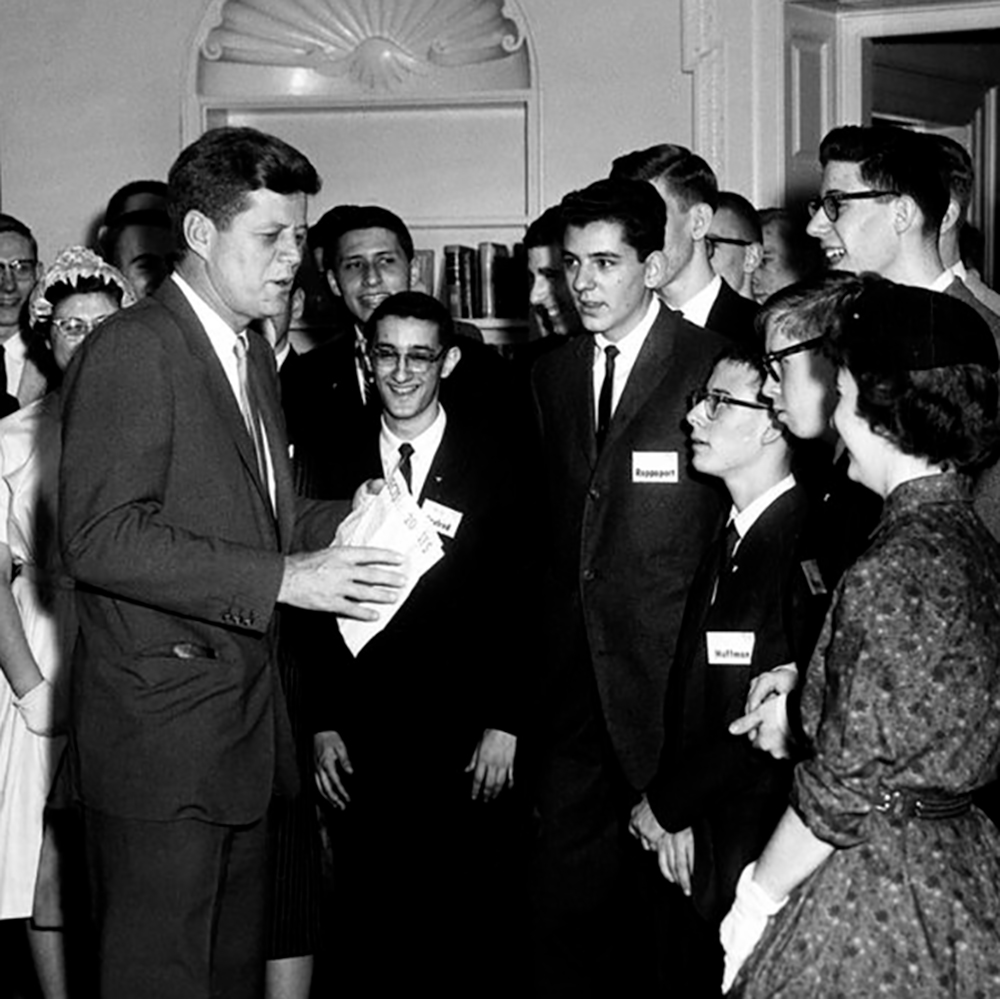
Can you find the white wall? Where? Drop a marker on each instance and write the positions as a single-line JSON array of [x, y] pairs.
[[92, 96]]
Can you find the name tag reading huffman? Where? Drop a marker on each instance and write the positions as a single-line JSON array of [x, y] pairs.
[[729, 648], [654, 466]]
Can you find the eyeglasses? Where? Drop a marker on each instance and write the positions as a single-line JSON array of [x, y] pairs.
[[772, 360], [712, 241], [714, 400], [418, 360], [73, 327], [20, 270], [830, 203]]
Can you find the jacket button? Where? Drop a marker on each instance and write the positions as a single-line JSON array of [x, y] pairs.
[[594, 493], [588, 575]]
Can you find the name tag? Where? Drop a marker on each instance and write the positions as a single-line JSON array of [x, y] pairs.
[[729, 648], [654, 466], [814, 578], [444, 519]]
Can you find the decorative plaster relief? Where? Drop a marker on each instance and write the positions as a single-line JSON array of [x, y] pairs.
[[703, 55], [376, 45]]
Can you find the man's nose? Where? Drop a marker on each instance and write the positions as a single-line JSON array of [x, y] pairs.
[[7, 280], [539, 290]]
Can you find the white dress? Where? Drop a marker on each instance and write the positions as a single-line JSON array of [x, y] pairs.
[[29, 467]]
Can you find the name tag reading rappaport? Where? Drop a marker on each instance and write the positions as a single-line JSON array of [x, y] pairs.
[[654, 466], [729, 648], [444, 519]]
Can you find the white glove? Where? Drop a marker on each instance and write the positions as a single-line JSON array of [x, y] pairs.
[[745, 923], [37, 708]]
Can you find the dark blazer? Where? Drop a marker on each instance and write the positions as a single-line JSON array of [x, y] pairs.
[[623, 552], [177, 554], [729, 792], [453, 659], [732, 315]]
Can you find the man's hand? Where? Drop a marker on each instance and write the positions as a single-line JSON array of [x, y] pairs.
[[368, 489], [675, 853], [780, 680], [338, 580], [492, 764], [644, 827], [330, 757], [767, 727]]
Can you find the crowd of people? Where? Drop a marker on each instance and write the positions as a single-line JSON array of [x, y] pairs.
[[690, 681]]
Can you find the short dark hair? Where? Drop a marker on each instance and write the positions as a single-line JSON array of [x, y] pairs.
[[745, 354], [337, 222], [10, 224], [633, 204], [744, 211], [546, 230], [893, 159], [957, 171], [812, 308], [685, 174], [216, 173], [414, 305], [119, 214]]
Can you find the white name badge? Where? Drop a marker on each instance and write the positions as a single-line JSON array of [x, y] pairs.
[[444, 519], [729, 648], [654, 466]]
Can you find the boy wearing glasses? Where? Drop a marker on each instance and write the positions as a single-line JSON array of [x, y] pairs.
[[419, 731], [715, 798]]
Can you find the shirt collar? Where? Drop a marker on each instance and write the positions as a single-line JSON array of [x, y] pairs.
[[630, 344], [425, 446], [697, 307], [747, 517]]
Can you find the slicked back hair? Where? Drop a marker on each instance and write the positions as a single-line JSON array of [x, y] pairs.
[[684, 174]]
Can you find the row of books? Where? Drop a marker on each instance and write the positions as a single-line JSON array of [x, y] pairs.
[[485, 282]]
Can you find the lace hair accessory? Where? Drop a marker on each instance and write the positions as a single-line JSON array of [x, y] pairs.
[[71, 265]]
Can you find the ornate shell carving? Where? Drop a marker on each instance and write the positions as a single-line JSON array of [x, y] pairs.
[[377, 44]]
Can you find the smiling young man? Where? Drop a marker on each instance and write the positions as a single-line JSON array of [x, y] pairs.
[[715, 799], [176, 519], [626, 526], [420, 729]]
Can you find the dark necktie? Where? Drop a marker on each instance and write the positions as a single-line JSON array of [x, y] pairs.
[[405, 465], [607, 393], [8, 403], [726, 549], [248, 404]]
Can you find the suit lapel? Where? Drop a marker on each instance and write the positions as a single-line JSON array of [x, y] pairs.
[[580, 386], [219, 389]]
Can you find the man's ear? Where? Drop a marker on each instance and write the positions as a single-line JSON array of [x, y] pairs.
[[950, 217], [906, 214], [331, 280], [415, 276], [656, 269], [298, 304], [753, 257], [451, 359], [701, 219], [199, 233], [773, 432]]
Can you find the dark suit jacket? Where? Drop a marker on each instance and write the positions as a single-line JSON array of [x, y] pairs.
[[729, 792], [623, 551], [732, 315], [169, 533]]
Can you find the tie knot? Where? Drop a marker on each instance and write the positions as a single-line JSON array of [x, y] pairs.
[[241, 348], [405, 451], [611, 353]]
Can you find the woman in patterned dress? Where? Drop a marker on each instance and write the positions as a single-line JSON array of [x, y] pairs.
[[882, 878], [37, 618]]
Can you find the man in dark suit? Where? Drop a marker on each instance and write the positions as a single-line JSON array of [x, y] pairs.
[[425, 720], [715, 799], [177, 516], [367, 253], [627, 525], [735, 241], [690, 191]]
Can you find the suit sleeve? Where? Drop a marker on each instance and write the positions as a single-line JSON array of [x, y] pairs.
[[132, 451]]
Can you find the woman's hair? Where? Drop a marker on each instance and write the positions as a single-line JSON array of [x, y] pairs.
[[925, 366], [946, 415], [57, 292], [811, 308]]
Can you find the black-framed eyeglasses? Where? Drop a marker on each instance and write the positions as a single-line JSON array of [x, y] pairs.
[[830, 203], [714, 400], [418, 360], [72, 326], [21, 270], [712, 241], [772, 359]]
